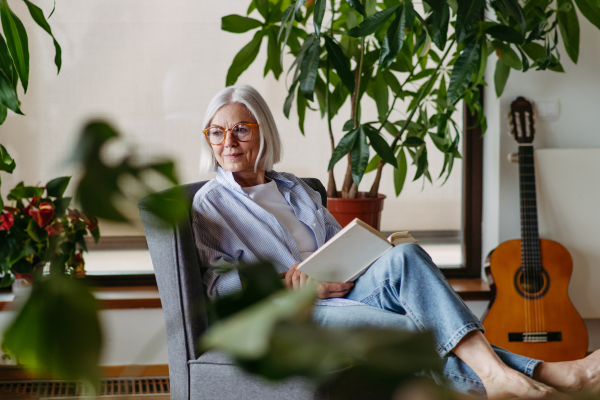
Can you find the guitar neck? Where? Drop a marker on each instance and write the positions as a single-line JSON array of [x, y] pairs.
[[530, 237]]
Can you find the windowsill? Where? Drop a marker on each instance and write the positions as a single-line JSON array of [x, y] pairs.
[[132, 297]]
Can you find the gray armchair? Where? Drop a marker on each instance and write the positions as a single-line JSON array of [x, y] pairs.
[[195, 375]]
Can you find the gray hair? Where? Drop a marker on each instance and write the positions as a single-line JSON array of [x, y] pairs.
[[270, 151]]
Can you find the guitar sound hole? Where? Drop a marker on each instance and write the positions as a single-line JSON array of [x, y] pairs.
[[532, 283]]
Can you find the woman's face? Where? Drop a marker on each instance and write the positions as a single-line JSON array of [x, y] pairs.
[[232, 155]]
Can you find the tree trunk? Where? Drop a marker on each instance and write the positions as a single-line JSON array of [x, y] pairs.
[[375, 187], [347, 180], [331, 186]]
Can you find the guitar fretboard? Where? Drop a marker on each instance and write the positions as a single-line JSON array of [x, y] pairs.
[[530, 237]]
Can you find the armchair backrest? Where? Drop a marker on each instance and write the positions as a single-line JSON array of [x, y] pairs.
[[179, 276]]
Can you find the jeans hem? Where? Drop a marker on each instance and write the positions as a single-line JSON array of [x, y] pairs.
[[530, 367], [457, 337]]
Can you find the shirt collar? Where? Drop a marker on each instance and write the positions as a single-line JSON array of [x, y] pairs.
[[226, 179]]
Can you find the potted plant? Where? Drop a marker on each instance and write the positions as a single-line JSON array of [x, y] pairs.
[[429, 59], [37, 229]]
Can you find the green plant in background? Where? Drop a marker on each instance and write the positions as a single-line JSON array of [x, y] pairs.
[[429, 59], [39, 229]]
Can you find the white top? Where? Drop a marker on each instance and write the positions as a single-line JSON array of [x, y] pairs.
[[268, 197]]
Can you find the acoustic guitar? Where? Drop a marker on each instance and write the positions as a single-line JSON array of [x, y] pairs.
[[530, 312]]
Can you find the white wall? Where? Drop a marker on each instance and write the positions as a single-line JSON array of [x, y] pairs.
[[578, 94]]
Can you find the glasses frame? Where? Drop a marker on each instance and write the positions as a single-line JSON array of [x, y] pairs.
[[227, 131]]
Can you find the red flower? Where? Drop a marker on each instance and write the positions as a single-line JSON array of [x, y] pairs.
[[6, 221], [91, 222], [43, 215], [55, 229]]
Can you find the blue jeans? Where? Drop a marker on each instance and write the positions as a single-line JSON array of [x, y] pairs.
[[405, 290]]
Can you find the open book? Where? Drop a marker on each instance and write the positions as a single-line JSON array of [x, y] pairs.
[[350, 252]]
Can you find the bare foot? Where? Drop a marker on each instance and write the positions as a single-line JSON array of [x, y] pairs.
[[507, 383], [572, 376]]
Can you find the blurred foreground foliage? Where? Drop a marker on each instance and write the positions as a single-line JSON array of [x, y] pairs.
[[57, 330], [269, 332], [105, 185]]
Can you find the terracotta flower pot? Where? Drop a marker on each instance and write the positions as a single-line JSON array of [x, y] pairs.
[[363, 208]]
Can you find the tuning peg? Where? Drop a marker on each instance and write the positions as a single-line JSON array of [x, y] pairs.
[[511, 131], [513, 158]]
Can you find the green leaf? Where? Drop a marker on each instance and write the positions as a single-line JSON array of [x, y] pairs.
[[273, 54], [172, 208], [247, 334], [310, 69], [462, 71], [340, 63], [468, 13], [6, 62], [392, 82], [348, 125], [505, 34], [61, 204], [357, 5], [479, 79], [244, 58], [500, 77], [345, 145], [34, 231], [381, 147], [436, 5], [507, 55], [16, 38], [301, 104], [25, 192], [58, 330], [96, 234], [422, 164], [6, 161], [537, 53], [413, 141], [57, 186], [287, 105], [400, 172], [38, 17], [263, 7], [441, 21], [3, 114], [8, 95], [515, 10], [393, 40], [568, 24], [320, 7], [373, 164], [360, 156], [591, 10], [381, 95], [7, 280], [238, 24], [371, 24]]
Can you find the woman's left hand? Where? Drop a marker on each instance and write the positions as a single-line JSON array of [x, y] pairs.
[[296, 280]]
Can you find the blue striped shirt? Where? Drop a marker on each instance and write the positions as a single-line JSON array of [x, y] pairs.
[[229, 227]]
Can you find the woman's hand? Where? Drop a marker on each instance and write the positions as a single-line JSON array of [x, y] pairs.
[[296, 280]]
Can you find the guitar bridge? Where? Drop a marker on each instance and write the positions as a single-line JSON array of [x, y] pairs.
[[535, 337]]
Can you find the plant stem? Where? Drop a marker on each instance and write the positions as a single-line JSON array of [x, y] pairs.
[[349, 189], [375, 187], [331, 186]]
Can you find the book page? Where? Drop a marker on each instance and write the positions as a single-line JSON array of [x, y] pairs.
[[348, 253]]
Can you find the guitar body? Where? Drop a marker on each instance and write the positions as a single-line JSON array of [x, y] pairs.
[[543, 312]]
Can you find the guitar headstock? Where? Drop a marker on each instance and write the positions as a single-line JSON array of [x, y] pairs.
[[522, 127]]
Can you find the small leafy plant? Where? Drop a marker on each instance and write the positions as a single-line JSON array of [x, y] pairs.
[[38, 228]]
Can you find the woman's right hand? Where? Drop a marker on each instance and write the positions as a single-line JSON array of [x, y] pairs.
[[296, 280]]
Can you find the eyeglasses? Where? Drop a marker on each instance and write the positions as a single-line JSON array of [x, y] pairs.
[[241, 132]]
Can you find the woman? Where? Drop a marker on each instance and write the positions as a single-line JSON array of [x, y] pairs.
[[250, 213]]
